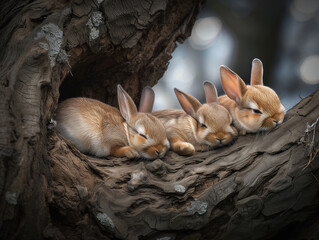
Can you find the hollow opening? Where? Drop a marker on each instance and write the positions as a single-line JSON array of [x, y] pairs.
[[97, 76], [92, 76]]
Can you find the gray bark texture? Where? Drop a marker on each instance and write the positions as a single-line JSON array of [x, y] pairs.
[[264, 186], [52, 50]]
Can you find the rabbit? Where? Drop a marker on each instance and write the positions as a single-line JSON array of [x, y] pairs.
[[253, 108], [101, 130], [199, 127]]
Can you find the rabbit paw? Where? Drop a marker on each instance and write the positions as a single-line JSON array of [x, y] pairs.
[[131, 153], [183, 148], [127, 151]]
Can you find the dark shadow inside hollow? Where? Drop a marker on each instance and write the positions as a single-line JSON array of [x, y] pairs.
[[93, 76], [78, 86], [70, 88]]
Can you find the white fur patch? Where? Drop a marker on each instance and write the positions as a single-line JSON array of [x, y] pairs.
[[253, 105], [140, 129], [150, 142], [126, 133], [193, 129], [263, 116], [208, 143], [166, 143], [230, 130], [201, 119], [206, 132], [171, 122]]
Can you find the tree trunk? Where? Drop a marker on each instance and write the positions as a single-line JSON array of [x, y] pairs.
[[51, 50], [263, 186]]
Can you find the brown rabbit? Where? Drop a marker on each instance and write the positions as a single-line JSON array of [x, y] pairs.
[[200, 126], [253, 108], [100, 129]]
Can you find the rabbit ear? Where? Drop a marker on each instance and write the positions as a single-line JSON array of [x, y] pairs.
[[188, 102], [147, 100], [210, 92], [256, 72], [126, 104], [232, 84]]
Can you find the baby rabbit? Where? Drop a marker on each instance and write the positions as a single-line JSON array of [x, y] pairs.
[[200, 126], [102, 130], [253, 108]]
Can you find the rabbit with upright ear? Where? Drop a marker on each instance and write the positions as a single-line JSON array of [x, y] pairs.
[[200, 126], [253, 108], [100, 129]]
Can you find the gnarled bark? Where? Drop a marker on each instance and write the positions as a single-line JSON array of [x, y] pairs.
[[58, 49], [253, 189]]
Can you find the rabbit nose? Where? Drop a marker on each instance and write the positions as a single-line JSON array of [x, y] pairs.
[[220, 140]]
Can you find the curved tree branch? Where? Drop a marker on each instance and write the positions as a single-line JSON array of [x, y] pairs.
[[250, 190]]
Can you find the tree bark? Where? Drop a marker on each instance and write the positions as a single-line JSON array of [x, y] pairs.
[[263, 186], [51, 50]]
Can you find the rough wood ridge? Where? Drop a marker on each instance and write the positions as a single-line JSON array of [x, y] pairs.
[[250, 190]]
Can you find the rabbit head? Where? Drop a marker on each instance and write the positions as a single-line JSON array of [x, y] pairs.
[[145, 133], [257, 107], [213, 121]]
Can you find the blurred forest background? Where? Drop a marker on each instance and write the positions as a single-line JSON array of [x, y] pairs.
[[283, 34]]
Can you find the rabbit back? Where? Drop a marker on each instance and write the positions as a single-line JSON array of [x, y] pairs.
[[94, 127], [178, 124]]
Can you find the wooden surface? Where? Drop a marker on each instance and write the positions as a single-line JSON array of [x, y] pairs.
[[253, 189]]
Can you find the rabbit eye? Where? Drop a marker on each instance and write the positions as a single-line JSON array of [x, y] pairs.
[[142, 135], [257, 111], [203, 125]]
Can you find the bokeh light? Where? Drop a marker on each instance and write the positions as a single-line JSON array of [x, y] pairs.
[[195, 61], [219, 53], [204, 32], [303, 10], [309, 70], [181, 72]]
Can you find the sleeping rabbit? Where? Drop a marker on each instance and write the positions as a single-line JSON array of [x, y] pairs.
[[253, 108], [200, 126], [101, 130]]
